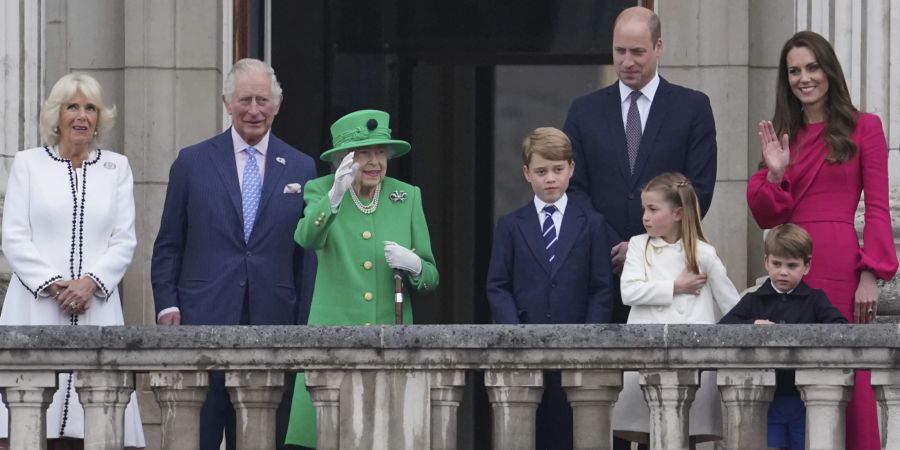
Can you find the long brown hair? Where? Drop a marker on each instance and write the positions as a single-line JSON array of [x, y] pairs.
[[840, 114], [678, 191]]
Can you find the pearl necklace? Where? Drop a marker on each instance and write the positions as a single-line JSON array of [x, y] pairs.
[[371, 207]]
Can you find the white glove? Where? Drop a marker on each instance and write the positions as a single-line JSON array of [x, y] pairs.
[[400, 257], [343, 178]]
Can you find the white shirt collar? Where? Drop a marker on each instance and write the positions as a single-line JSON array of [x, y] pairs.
[[240, 145], [780, 291], [649, 89], [560, 204]]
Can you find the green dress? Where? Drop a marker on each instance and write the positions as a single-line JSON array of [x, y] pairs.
[[354, 284]]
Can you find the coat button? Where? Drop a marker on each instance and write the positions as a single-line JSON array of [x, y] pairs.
[[368, 296], [242, 283], [630, 196], [367, 265], [249, 253], [367, 235]]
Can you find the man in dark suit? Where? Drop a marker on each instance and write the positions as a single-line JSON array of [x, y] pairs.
[[225, 253], [550, 264], [633, 130]]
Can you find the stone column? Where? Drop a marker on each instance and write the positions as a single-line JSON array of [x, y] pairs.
[[104, 395], [592, 394], [27, 396], [669, 395], [514, 397], [325, 392], [255, 395], [446, 392], [746, 394], [180, 396], [887, 390], [826, 393]]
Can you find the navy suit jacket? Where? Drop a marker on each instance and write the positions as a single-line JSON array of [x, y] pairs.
[[524, 287], [680, 135], [201, 263]]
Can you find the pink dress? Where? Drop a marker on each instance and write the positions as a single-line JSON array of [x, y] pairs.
[[822, 198]]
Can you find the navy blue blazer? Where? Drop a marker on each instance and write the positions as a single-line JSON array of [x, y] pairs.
[[524, 287], [680, 135], [201, 263]]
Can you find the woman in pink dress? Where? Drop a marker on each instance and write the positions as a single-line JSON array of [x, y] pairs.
[[819, 154]]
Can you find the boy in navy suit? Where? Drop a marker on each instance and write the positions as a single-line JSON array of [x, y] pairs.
[[550, 264]]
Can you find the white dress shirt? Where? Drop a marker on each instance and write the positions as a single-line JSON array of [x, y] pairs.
[[644, 101], [557, 216], [240, 154]]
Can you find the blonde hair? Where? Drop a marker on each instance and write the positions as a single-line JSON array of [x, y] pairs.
[[677, 190], [789, 241], [548, 142], [62, 91]]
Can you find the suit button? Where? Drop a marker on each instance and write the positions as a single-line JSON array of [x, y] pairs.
[[249, 253], [367, 265], [367, 235], [243, 283], [553, 285], [548, 316], [368, 296], [630, 196]]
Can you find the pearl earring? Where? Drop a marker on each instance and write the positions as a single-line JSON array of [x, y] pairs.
[[96, 133], [56, 130]]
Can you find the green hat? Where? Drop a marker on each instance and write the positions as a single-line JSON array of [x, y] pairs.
[[363, 129]]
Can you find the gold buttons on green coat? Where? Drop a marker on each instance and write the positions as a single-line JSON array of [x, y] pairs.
[[368, 296], [367, 235], [367, 265]]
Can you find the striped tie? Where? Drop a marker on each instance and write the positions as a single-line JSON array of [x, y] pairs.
[[549, 230], [250, 190]]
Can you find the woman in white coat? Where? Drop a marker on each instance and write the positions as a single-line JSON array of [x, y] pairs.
[[68, 234]]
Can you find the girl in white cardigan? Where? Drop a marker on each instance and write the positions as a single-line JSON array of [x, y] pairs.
[[672, 275]]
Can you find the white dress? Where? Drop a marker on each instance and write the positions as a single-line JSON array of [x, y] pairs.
[[648, 280], [61, 223]]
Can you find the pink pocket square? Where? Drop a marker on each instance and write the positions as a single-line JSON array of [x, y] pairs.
[[292, 188]]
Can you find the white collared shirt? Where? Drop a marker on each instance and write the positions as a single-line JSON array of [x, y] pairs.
[[557, 216], [643, 102], [240, 154]]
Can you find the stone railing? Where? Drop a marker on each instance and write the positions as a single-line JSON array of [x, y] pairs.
[[400, 387]]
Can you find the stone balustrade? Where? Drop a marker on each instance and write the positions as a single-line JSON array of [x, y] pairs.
[[383, 387]]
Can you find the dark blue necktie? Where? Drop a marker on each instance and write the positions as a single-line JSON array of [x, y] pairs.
[[549, 231]]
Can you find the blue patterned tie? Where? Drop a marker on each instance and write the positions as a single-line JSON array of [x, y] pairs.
[[549, 230], [633, 130], [250, 191]]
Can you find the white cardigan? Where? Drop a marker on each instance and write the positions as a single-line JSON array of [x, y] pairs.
[[61, 223], [648, 281]]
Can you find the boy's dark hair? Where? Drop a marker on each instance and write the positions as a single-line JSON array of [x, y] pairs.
[[789, 241], [549, 142]]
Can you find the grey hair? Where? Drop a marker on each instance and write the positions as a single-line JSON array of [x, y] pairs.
[[61, 92], [247, 66]]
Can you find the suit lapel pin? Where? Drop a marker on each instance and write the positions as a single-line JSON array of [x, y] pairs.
[[398, 196], [280, 160]]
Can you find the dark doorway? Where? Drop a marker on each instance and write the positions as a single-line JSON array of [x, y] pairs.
[[443, 71]]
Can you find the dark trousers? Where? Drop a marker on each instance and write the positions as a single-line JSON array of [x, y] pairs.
[[217, 414], [554, 416]]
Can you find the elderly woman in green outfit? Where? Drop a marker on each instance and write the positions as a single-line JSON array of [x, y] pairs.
[[363, 225]]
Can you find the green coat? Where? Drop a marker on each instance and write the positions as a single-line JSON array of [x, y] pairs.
[[354, 284]]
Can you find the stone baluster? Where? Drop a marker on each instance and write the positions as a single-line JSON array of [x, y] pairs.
[[887, 390], [180, 396], [746, 394], [325, 391], [255, 395], [104, 395], [27, 396], [514, 396], [669, 395], [592, 394], [446, 393], [826, 393]]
